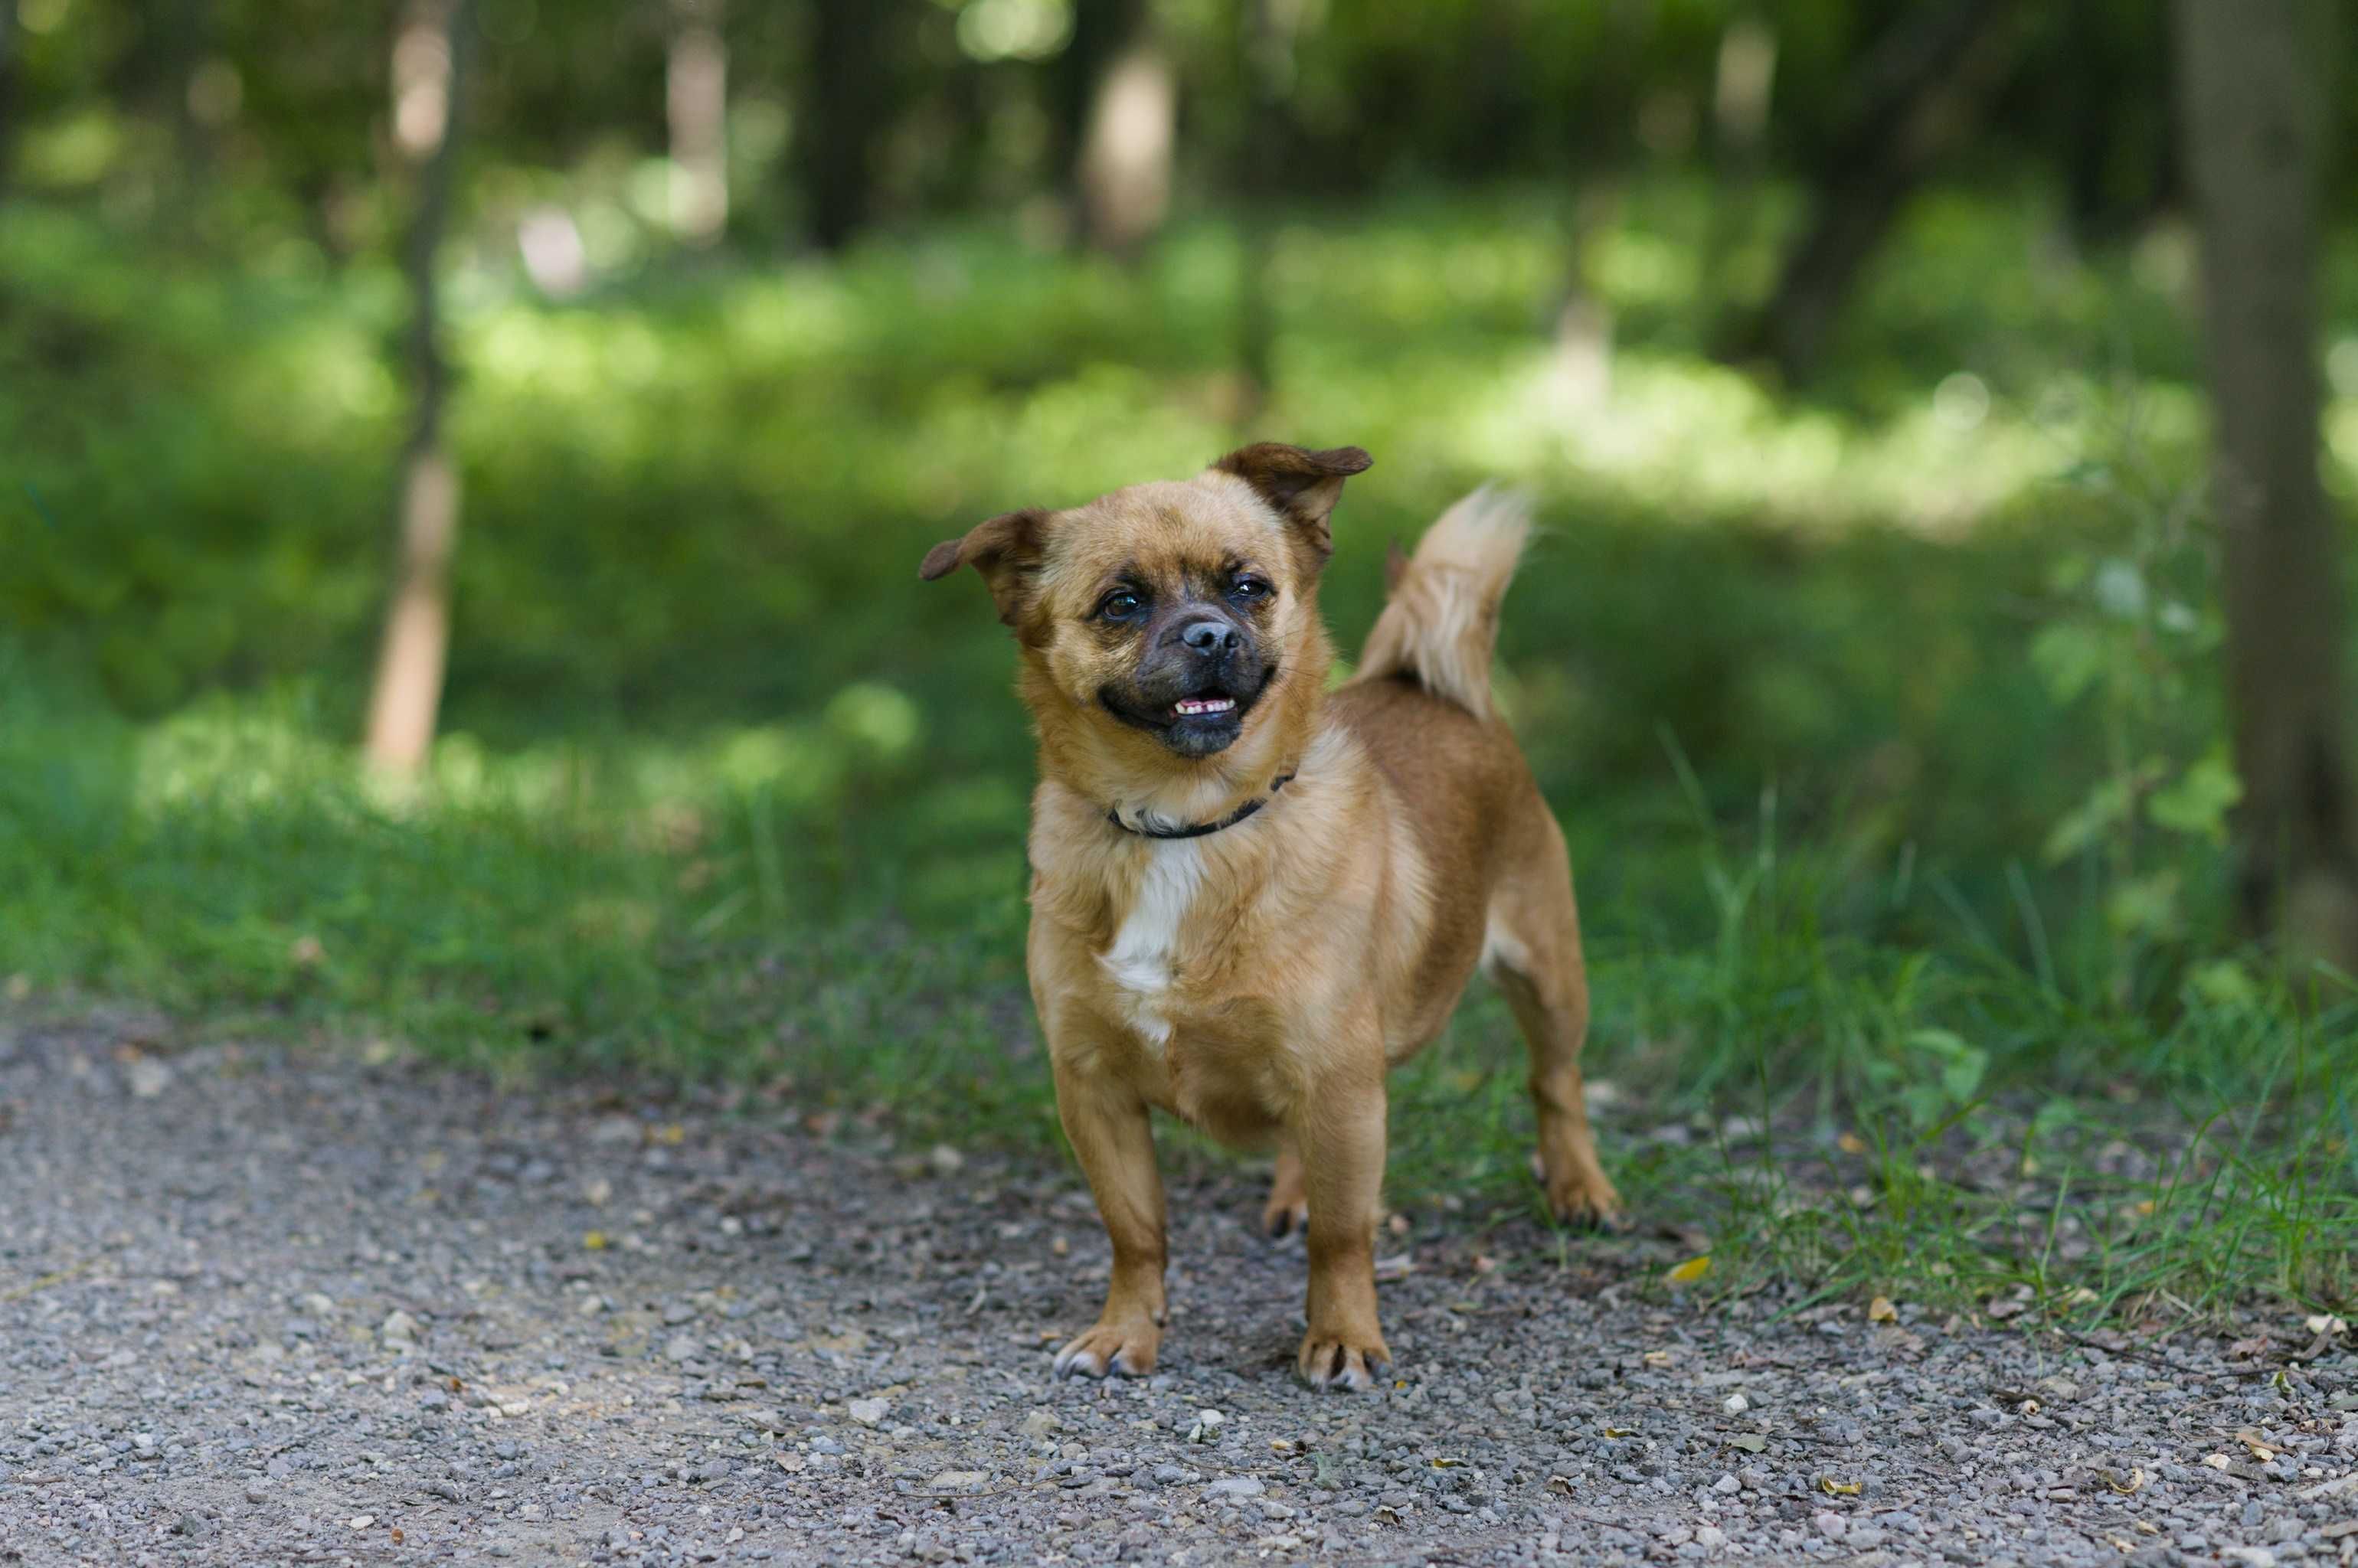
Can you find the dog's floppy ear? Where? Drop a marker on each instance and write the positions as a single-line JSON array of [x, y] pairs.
[[1301, 486], [1005, 550]]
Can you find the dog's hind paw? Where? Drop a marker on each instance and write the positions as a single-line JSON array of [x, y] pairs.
[[1586, 1201], [1288, 1208], [1282, 1215], [1126, 1350]]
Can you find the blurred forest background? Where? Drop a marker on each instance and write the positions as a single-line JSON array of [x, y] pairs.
[[549, 403]]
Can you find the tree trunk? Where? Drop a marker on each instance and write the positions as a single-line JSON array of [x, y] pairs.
[[430, 59], [1264, 45], [1743, 87], [2250, 72], [1584, 322], [844, 89], [7, 89], [1921, 90], [1121, 173], [696, 101], [190, 28]]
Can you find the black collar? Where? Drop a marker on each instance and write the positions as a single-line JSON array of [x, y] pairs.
[[1113, 815]]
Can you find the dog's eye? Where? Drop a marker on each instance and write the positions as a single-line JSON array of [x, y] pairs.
[[1247, 586], [1120, 605]]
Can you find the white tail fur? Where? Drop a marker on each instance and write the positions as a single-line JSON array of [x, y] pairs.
[[1441, 620]]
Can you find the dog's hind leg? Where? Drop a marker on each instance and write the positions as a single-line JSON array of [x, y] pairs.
[[1288, 1209], [1532, 950]]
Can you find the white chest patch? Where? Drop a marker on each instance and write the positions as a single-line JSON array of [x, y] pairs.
[[1140, 959]]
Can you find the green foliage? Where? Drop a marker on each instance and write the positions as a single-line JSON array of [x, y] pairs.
[[2132, 641], [724, 791]]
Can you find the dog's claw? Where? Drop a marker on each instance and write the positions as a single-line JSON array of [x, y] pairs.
[[1281, 1219], [1584, 1203], [1332, 1364], [1109, 1350]]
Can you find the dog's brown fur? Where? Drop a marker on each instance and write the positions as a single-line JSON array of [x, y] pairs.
[[1259, 981]]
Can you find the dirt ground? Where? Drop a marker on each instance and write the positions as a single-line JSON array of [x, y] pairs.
[[263, 1307]]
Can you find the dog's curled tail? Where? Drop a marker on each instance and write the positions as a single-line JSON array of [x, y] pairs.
[[1441, 620]]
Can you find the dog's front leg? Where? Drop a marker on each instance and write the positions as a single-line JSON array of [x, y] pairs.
[[1340, 1129], [1107, 1122]]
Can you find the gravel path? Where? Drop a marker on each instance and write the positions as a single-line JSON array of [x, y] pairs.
[[262, 1307]]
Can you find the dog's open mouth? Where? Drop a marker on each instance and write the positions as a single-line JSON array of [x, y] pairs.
[[1197, 724]]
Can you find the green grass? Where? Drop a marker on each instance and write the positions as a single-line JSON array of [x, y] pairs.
[[726, 794]]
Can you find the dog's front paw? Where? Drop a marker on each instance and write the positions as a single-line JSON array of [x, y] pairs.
[[1123, 1349], [1332, 1361]]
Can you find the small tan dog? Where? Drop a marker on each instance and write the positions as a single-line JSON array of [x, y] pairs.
[[1250, 895]]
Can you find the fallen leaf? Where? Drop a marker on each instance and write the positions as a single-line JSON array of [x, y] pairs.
[[2126, 1483], [1880, 1310], [1559, 1484], [1750, 1442], [1617, 1431], [1657, 1357], [2217, 1461], [2256, 1442], [1835, 1489], [1688, 1272], [2326, 1322], [1851, 1143]]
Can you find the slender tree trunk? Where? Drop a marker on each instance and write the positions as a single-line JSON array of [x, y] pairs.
[[1265, 59], [844, 85], [190, 25], [8, 45], [1121, 175], [2252, 76], [430, 59], [695, 101], [1742, 89], [1921, 89], [1584, 322]]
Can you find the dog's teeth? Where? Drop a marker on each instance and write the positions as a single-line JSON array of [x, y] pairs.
[[1205, 705]]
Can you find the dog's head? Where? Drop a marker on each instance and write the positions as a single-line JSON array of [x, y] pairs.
[[1165, 615]]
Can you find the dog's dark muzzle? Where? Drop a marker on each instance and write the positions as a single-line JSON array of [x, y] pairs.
[[1202, 673]]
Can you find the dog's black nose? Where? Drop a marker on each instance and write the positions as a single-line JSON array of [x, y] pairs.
[[1210, 638]]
